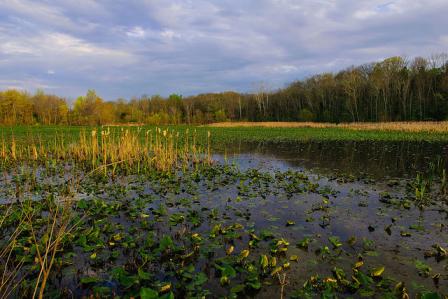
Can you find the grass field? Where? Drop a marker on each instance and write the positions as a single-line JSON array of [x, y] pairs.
[[224, 133]]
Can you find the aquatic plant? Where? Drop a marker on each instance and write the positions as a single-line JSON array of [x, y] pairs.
[[424, 182], [122, 149], [422, 187]]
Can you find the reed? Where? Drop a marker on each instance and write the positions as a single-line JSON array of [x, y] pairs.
[[46, 248], [44, 239], [106, 149], [9, 270]]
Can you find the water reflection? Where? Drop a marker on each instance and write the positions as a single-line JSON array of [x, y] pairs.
[[373, 159]]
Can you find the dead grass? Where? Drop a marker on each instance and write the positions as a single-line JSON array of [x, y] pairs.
[[123, 125], [430, 126]]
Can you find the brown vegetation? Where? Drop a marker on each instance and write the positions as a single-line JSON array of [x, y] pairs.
[[430, 126]]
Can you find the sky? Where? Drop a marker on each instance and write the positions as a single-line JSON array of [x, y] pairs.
[[126, 48]]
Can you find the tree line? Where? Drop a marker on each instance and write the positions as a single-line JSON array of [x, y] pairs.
[[395, 89]]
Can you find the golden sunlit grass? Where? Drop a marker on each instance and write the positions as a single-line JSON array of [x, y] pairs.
[[47, 246], [124, 125], [106, 149], [8, 270], [439, 127], [44, 239]]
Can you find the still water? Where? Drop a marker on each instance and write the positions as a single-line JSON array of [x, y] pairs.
[[378, 160]]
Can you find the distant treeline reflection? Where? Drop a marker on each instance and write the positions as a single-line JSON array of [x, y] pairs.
[[372, 159]]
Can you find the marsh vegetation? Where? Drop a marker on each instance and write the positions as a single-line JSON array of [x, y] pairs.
[[185, 212]]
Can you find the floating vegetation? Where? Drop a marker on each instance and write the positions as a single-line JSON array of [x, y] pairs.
[[147, 214]]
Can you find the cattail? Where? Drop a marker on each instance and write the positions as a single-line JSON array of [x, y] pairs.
[[35, 156], [13, 149]]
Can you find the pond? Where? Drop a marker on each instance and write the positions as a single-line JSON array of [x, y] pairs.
[[360, 174]]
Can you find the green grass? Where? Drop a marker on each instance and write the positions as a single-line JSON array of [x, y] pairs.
[[319, 134], [220, 136]]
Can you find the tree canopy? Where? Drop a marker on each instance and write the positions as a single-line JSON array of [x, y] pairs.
[[395, 89]]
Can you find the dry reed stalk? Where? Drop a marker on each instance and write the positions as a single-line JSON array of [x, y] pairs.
[[10, 273], [283, 282], [57, 227], [4, 154], [13, 149], [209, 156]]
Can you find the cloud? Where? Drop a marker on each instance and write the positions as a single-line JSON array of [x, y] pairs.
[[26, 84], [54, 48], [128, 48], [170, 34], [136, 32]]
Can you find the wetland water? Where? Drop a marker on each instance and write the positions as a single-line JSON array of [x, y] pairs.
[[334, 218], [363, 178], [379, 160]]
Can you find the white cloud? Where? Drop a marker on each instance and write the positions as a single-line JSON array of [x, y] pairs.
[[365, 14], [61, 47], [136, 32], [169, 34], [283, 68], [15, 48], [29, 84], [37, 11]]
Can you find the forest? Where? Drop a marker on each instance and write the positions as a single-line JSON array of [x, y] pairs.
[[395, 89]]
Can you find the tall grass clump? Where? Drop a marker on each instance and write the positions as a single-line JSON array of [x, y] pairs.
[[32, 249], [425, 183], [103, 149]]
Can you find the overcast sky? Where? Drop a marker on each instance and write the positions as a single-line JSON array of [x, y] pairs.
[[125, 48]]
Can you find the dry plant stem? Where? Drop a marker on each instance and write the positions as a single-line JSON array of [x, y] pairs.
[[47, 257], [15, 272], [9, 275], [56, 233], [8, 210], [283, 283]]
